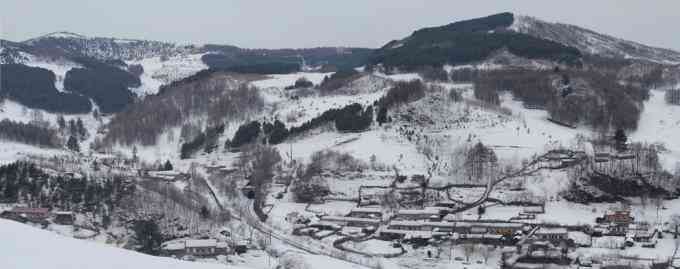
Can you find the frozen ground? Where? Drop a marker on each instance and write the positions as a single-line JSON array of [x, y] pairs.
[[159, 71], [660, 122], [25, 247]]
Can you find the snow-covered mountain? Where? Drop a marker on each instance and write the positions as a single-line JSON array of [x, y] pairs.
[[591, 42], [103, 48]]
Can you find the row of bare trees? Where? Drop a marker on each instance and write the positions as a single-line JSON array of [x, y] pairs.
[[219, 96]]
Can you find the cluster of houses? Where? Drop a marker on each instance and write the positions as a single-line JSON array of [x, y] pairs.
[[431, 223], [168, 176], [619, 222]]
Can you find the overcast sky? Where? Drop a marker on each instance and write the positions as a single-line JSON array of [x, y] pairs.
[[310, 23]]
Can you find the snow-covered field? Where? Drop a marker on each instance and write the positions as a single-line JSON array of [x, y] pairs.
[[158, 71], [25, 247], [660, 122]]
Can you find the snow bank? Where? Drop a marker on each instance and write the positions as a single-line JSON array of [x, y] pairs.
[[26, 247]]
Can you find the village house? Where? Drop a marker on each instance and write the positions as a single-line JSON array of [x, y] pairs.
[[616, 222], [619, 217], [195, 247], [169, 176], [428, 213], [64, 217], [366, 212], [351, 221], [500, 228], [447, 204], [554, 235], [534, 209], [641, 232], [23, 214], [471, 231]]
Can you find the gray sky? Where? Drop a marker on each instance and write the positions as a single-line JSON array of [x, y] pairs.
[[310, 23]]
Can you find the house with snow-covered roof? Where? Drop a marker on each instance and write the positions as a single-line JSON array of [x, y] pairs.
[[195, 247], [552, 234]]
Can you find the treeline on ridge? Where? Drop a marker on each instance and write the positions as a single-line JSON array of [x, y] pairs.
[[351, 118], [29, 133], [25, 182]]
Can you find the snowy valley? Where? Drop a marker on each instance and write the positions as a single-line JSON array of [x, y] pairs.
[[565, 156]]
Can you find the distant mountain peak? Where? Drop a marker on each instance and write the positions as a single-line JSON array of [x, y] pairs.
[[59, 34], [591, 42]]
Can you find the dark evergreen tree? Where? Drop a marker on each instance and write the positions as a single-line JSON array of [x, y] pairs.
[[148, 236], [246, 134], [72, 127], [620, 140], [167, 166], [382, 115], [61, 123], [278, 133], [82, 132], [204, 213], [72, 144]]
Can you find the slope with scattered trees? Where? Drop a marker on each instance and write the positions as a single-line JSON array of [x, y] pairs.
[[223, 97]]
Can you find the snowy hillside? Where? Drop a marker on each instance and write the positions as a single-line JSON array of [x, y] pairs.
[[160, 71], [588, 41], [56, 251]]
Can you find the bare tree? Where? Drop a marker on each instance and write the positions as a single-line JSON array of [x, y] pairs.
[[264, 161], [486, 252], [468, 251]]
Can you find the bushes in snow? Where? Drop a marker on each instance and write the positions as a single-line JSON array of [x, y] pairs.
[[206, 140], [308, 190], [403, 92], [353, 118], [302, 82], [400, 93], [338, 79]]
